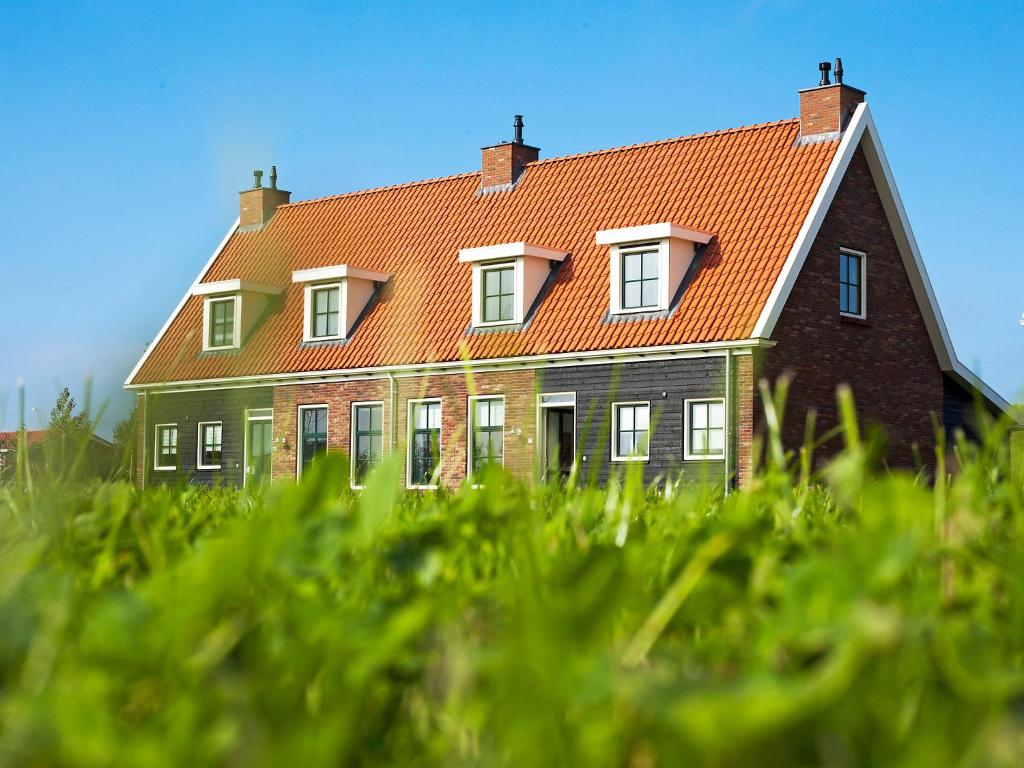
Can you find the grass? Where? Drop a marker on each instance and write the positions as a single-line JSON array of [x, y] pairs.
[[844, 618]]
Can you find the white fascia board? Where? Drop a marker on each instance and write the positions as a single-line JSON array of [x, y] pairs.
[[509, 251], [660, 231], [337, 272], [181, 305], [235, 286]]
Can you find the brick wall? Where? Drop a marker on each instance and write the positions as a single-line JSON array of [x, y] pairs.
[[503, 163], [887, 359], [827, 109], [744, 378]]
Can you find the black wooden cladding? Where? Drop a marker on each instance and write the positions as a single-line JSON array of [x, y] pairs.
[[187, 409], [666, 384]]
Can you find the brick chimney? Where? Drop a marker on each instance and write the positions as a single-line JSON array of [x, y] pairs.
[[502, 164], [257, 205], [825, 110]]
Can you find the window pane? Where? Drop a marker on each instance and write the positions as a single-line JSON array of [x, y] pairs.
[[492, 309], [492, 282], [625, 443], [642, 417], [506, 308], [716, 441], [435, 415], [506, 281], [843, 268], [853, 268], [650, 265], [363, 418], [497, 413], [419, 413], [631, 295], [698, 415], [717, 415], [333, 298], [649, 295], [642, 439], [376, 418], [625, 417], [632, 266], [854, 302], [483, 413], [698, 441]]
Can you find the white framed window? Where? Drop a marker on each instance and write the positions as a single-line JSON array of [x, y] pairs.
[[631, 431], [165, 451], [209, 445], [704, 430], [853, 275], [323, 312], [506, 280], [222, 322], [639, 270], [312, 435], [367, 428], [423, 462], [498, 294], [487, 432]]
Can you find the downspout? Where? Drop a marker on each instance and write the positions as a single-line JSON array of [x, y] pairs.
[[728, 418], [394, 410]]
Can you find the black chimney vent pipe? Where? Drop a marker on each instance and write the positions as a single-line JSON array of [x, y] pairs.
[[824, 67], [839, 71], [257, 179], [273, 177], [519, 129]]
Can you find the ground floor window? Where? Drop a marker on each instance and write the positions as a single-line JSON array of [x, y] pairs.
[[312, 434], [367, 439], [424, 442], [210, 435], [631, 427], [166, 452], [705, 429], [487, 425]]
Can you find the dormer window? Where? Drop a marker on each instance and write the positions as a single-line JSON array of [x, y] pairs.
[[648, 264], [335, 299], [506, 280], [221, 322], [230, 309]]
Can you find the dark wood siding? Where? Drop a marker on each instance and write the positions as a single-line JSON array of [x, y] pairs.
[[187, 409], [666, 384]]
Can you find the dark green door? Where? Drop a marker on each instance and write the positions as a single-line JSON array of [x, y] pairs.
[[258, 460]]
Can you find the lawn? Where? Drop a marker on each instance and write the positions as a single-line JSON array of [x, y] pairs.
[[844, 618]]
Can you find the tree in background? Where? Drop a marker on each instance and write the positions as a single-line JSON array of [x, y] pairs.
[[126, 433]]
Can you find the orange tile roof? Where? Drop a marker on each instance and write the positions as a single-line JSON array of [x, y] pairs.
[[751, 187]]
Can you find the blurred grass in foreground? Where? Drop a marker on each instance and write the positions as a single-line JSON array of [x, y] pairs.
[[848, 618]]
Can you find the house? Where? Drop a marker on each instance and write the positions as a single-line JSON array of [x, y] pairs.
[[598, 309], [95, 459]]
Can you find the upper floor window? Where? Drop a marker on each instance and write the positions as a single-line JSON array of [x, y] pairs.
[[367, 439], [221, 326], [631, 431], [210, 445], [498, 294], [325, 311], [705, 429], [424, 443], [312, 434], [851, 283], [166, 453], [640, 278], [487, 426]]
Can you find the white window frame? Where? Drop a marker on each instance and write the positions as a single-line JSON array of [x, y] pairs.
[[615, 432], [157, 445], [863, 284], [307, 331], [236, 336], [687, 454], [408, 440], [470, 421], [352, 438], [479, 268], [254, 414], [618, 254], [199, 444], [298, 433]]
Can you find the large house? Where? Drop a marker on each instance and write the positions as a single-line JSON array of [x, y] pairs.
[[591, 310]]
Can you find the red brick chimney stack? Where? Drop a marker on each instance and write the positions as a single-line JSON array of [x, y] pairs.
[[502, 164], [825, 110], [257, 205]]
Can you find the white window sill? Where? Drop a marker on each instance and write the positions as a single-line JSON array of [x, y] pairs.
[[310, 339], [629, 459], [704, 457], [421, 487], [208, 466], [638, 310], [164, 469], [853, 316]]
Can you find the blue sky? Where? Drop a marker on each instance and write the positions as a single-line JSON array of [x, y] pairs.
[[128, 129]]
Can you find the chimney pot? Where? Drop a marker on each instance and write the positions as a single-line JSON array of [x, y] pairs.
[[257, 205], [273, 177], [503, 164], [518, 124], [839, 71], [825, 110], [257, 179], [824, 67]]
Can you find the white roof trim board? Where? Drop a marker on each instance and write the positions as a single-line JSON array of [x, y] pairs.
[[181, 304], [862, 132], [235, 286], [509, 251], [337, 272], [665, 229]]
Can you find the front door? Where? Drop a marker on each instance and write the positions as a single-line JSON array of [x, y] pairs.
[[257, 460], [559, 443]]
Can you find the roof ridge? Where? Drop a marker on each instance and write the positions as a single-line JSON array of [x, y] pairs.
[[545, 161]]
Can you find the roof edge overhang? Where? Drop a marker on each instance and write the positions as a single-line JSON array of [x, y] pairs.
[[558, 359], [509, 251], [337, 272], [659, 231], [235, 286], [181, 305], [862, 132]]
